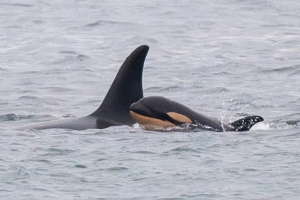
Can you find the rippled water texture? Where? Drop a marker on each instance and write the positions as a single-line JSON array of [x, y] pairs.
[[226, 59]]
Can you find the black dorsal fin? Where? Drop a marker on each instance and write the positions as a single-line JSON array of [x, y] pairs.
[[244, 124], [125, 90]]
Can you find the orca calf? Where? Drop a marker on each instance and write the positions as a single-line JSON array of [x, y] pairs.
[[159, 113], [114, 110]]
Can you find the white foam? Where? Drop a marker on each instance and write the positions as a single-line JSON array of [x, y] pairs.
[[261, 126]]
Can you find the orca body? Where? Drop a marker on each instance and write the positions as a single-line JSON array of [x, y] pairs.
[[114, 110], [159, 113]]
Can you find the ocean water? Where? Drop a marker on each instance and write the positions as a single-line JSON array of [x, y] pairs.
[[225, 59]]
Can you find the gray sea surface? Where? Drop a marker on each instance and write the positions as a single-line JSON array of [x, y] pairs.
[[225, 59]]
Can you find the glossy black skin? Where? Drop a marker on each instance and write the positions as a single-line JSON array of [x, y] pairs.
[[158, 107], [114, 110]]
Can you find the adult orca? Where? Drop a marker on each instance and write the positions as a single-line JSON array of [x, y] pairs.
[[114, 110], [159, 113]]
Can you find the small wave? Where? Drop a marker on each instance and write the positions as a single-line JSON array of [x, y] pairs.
[[82, 57], [59, 89], [216, 90], [153, 89], [291, 119], [9, 117], [58, 151], [28, 98], [183, 149], [33, 100], [116, 168], [69, 59], [16, 4], [104, 22], [284, 122], [15, 117], [281, 124], [291, 70], [80, 166], [295, 73], [169, 88], [222, 73], [68, 52], [38, 21], [143, 152], [241, 104]]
